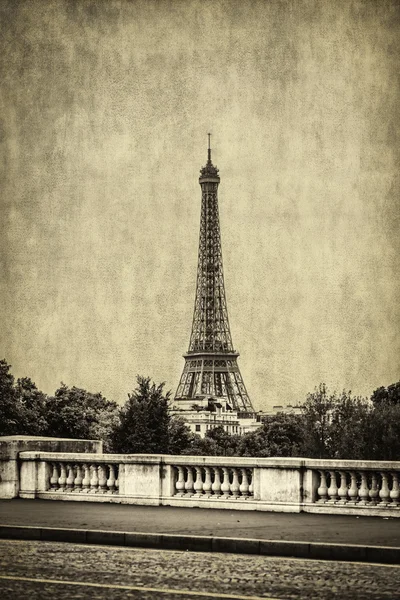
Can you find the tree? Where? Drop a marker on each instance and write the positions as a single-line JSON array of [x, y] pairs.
[[22, 405], [217, 442], [226, 444], [9, 415], [279, 435], [335, 425], [391, 394], [78, 414], [103, 426], [382, 433], [32, 407], [348, 427], [317, 415], [144, 420], [202, 447], [180, 438]]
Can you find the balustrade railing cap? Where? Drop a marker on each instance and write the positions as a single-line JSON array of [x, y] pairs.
[[234, 461], [12, 445], [339, 464], [38, 438], [86, 457], [231, 461]]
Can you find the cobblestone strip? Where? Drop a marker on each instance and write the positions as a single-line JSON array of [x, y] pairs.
[[379, 554], [229, 574]]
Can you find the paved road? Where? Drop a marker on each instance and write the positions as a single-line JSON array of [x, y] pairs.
[[373, 531], [56, 571]]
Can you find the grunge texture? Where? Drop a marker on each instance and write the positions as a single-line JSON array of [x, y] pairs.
[[105, 108]]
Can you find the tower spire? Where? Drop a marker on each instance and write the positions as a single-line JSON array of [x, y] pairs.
[[209, 170], [211, 369]]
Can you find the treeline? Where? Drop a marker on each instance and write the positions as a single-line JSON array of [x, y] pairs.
[[331, 425], [142, 425]]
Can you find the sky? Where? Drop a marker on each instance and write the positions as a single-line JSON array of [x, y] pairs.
[[105, 109]]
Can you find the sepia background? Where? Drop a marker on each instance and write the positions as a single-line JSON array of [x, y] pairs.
[[105, 109]]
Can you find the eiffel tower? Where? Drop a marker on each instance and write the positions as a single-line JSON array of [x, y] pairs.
[[211, 370]]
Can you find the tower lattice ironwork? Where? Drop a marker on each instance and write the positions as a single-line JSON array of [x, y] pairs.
[[211, 368]]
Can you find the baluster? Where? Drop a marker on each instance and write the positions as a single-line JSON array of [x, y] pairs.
[[322, 491], [333, 488], [94, 480], [198, 484], [102, 479], [180, 482], [216, 485], [111, 478], [207, 482], [226, 486], [189, 482], [78, 478], [235, 483], [244, 486], [395, 492], [86, 478], [374, 491], [71, 477], [116, 479], [364, 491], [384, 493], [54, 477], [342, 491], [250, 473], [353, 491], [62, 480]]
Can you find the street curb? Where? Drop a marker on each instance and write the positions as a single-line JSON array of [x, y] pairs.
[[197, 543]]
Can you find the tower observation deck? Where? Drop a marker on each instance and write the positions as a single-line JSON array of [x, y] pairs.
[[211, 370]]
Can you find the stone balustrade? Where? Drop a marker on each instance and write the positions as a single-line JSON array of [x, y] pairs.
[[87, 477], [238, 483], [362, 487], [11, 447], [352, 487], [213, 482]]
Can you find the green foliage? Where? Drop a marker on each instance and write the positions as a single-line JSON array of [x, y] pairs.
[[144, 420]]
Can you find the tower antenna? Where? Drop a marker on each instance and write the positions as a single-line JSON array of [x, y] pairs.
[[209, 146]]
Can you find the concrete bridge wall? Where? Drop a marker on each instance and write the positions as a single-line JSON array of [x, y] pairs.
[[75, 470]]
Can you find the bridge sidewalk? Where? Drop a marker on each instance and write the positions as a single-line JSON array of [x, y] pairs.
[[331, 537], [328, 529]]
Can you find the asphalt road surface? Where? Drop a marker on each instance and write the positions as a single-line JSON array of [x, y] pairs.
[[339, 529], [57, 571]]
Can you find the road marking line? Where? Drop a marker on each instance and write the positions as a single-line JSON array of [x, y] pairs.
[[138, 588]]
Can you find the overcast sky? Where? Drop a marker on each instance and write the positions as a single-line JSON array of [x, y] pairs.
[[105, 111]]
